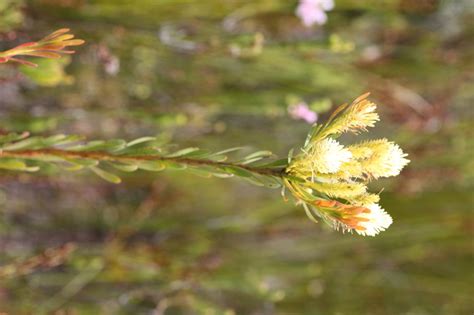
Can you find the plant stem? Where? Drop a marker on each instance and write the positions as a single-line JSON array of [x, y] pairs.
[[105, 156]]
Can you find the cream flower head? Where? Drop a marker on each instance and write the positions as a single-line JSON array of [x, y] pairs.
[[327, 156], [380, 158], [373, 222]]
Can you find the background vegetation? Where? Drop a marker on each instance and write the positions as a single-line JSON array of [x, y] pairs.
[[216, 74]]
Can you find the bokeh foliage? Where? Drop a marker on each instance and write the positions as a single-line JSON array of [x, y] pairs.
[[194, 73]]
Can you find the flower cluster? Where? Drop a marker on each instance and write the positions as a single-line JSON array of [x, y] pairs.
[[314, 11], [51, 46], [330, 180]]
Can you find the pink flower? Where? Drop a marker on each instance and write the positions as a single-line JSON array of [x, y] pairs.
[[314, 11], [302, 111]]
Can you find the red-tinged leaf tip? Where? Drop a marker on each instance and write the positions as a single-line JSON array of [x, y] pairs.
[[63, 30], [29, 44], [52, 47], [3, 60]]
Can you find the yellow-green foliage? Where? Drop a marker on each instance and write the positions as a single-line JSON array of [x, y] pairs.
[[50, 72]]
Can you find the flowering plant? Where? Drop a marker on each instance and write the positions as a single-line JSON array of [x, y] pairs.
[[51, 46], [328, 179]]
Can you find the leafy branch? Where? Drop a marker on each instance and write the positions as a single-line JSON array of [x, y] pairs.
[[20, 152]]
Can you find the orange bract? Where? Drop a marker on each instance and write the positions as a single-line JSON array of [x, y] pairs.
[[346, 214]]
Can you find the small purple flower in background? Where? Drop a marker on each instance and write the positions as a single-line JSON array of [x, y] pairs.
[[314, 11], [302, 111]]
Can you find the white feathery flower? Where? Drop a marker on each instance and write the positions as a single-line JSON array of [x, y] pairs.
[[394, 160], [387, 160], [374, 222], [328, 155]]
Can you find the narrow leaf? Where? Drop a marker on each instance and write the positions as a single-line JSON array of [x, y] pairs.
[[154, 166], [11, 137], [106, 175], [140, 140], [237, 171], [10, 164], [258, 154], [227, 151], [124, 167], [183, 152]]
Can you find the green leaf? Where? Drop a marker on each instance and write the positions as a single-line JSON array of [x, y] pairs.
[[215, 171], [71, 166], [66, 139], [290, 155], [11, 137], [106, 175], [183, 152], [140, 141], [53, 139], [154, 166], [254, 157], [217, 158], [124, 167], [28, 143], [246, 162], [237, 171], [175, 165], [99, 145], [139, 151], [138, 146], [227, 151], [11, 164], [223, 175], [258, 154], [15, 165], [198, 154]]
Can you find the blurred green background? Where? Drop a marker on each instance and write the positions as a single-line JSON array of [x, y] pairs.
[[218, 74]]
